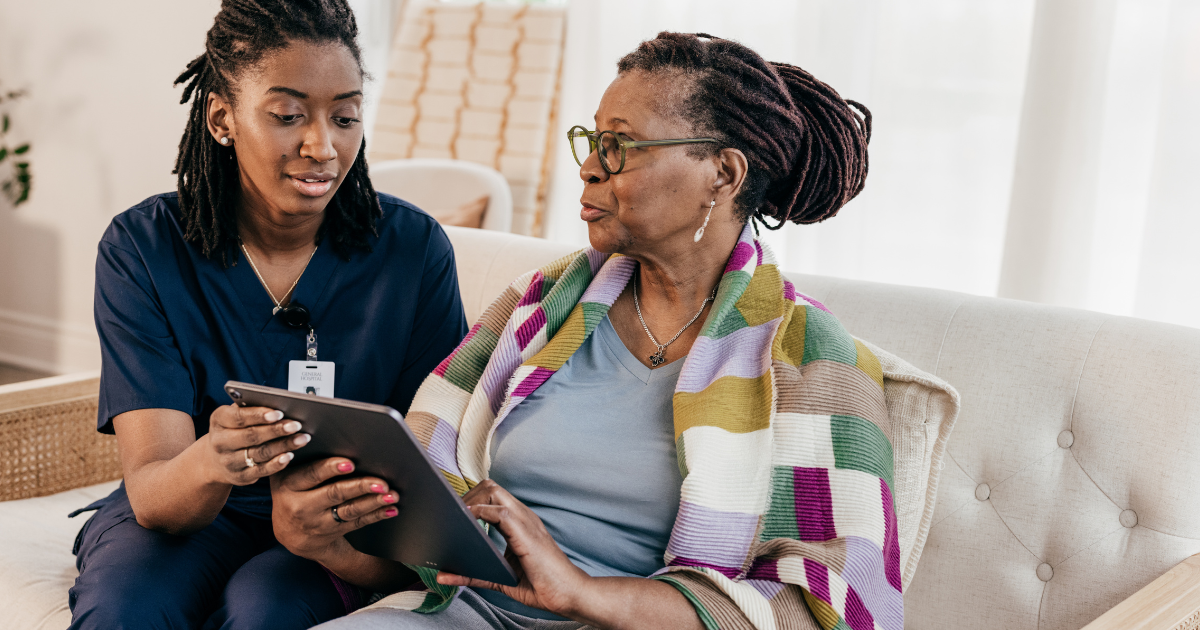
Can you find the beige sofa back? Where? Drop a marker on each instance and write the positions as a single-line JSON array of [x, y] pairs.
[[1073, 476]]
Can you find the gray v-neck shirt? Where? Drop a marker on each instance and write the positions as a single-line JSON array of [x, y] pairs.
[[592, 453]]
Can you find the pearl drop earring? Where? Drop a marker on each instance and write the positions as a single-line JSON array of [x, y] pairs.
[[700, 232], [225, 141]]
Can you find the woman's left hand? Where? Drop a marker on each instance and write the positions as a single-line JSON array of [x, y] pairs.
[[307, 503], [548, 580]]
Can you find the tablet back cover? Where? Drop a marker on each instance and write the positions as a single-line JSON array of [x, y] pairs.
[[433, 528]]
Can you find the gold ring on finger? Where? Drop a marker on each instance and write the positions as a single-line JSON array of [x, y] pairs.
[[250, 463]]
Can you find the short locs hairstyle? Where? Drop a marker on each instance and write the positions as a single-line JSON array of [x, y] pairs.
[[806, 146], [209, 187]]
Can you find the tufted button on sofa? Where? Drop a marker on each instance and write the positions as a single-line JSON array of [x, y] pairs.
[[1071, 485]]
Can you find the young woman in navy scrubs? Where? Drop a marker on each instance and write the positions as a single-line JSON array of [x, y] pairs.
[[275, 245]]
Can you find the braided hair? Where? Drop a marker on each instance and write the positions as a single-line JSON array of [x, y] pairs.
[[806, 147], [209, 186]]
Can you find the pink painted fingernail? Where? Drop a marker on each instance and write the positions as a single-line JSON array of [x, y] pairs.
[[345, 467], [390, 512], [272, 416], [387, 498], [286, 457], [376, 488], [302, 439]]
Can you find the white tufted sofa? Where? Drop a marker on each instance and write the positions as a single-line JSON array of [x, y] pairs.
[[1072, 482], [1073, 474]]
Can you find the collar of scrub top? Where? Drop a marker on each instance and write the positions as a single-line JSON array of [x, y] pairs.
[[277, 337], [309, 292]]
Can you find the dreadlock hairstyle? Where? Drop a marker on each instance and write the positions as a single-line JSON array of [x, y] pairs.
[[806, 147], [209, 187]]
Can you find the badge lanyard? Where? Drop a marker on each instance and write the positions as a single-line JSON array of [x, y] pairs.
[[308, 376], [311, 340]]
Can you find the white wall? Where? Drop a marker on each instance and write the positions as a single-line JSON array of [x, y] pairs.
[[105, 125]]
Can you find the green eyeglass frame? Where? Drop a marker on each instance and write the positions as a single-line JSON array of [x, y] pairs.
[[605, 141]]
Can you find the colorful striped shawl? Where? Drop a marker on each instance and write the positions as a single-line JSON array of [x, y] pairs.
[[781, 431]]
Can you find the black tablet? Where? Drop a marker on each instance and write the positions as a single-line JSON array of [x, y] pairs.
[[434, 528]]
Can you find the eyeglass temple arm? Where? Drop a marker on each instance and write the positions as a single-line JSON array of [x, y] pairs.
[[632, 144], [592, 137]]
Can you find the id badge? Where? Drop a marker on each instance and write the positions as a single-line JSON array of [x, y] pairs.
[[311, 377]]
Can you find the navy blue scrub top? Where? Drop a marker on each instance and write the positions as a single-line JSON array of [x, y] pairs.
[[175, 326]]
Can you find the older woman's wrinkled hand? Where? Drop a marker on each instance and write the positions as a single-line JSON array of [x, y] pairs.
[[547, 578]]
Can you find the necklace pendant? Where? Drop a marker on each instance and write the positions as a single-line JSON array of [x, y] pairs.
[[275, 310], [657, 358]]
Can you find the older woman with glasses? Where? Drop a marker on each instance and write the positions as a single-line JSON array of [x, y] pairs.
[[662, 432]]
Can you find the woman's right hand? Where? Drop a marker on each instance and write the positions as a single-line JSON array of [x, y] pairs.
[[237, 433]]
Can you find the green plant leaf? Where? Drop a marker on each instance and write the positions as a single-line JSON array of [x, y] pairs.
[[5, 126], [21, 149], [3, 153]]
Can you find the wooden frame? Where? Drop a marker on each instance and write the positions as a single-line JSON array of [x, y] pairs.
[[1171, 602]]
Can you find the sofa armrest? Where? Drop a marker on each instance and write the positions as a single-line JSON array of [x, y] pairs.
[[48, 438], [1172, 602]]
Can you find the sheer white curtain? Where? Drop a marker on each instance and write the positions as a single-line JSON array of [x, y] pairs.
[[1105, 207], [377, 21], [1038, 149]]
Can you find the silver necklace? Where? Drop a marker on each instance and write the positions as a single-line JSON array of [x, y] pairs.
[[278, 303], [658, 358]]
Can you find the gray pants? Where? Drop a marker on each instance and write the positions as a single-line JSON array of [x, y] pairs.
[[468, 612]]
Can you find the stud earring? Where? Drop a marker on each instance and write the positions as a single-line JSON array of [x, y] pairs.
[[225, 141], [700, 232]]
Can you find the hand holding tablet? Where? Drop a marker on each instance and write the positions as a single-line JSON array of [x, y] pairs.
[[432, 526]]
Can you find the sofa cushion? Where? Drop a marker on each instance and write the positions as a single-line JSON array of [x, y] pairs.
[[37, 560], [468, 215], [922, 409]]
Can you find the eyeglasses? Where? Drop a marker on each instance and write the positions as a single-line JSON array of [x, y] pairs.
[[612, 147]]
